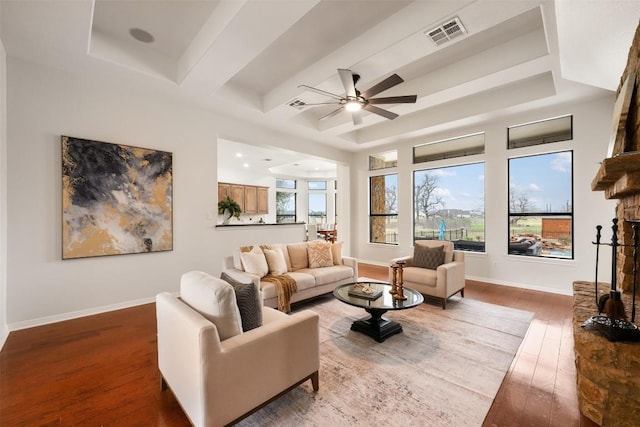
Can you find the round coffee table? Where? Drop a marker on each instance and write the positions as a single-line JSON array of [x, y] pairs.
[[376, 326]]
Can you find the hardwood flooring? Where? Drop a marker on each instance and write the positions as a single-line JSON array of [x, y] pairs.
[[102, 370]]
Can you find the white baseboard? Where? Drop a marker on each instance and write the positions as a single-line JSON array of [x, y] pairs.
[[76, 314]]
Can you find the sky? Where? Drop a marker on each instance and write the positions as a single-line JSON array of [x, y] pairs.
[[460, 187], [544, 179]]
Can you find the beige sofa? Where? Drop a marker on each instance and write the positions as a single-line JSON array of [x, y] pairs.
[[311, 281], [218, 373]]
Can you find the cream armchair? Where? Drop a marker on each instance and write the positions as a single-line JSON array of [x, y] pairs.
[[442, 282], [220, 382]]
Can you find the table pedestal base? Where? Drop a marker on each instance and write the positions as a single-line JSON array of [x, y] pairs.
[[376, 326]]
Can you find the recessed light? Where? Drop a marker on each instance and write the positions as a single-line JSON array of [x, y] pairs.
[[141, 35], [238, 155], [246, 165]]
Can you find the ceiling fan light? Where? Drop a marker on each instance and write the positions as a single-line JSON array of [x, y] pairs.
[[353, 105]]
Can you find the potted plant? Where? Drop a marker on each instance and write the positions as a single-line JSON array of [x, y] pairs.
[[229, 207]]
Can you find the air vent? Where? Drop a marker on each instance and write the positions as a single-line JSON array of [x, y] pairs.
[[298, 104], [446, 31]]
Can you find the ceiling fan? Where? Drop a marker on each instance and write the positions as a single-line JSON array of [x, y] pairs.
[[355, 101]]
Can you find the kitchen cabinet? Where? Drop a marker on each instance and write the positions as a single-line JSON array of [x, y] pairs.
[[263, 200], [252, 199]]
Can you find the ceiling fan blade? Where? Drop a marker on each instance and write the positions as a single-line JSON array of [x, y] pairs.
[[320, 91], [347, 81], [379, 111], [406, 99], [356, 117], [387, 83], [331, 114]]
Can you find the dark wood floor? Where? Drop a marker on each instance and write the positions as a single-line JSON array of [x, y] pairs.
[[102, 370]]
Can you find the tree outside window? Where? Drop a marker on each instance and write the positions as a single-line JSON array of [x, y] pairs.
[[285, 206], [449, 205]]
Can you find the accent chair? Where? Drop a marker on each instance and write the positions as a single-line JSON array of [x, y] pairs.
[[434, 269], [219, 373]]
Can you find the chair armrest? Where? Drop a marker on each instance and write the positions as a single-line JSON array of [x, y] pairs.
[[257, 365], [451, 277], [353, 263]]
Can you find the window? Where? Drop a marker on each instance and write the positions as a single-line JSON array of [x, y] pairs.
[[286, 201], [449, 205], [541, 205], [285, 206], [317, 208], [383, 209], [388, 159], [317, 185], [289, 184], [449, 148], [541, 132]]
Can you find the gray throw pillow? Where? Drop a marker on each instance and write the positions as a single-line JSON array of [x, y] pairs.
[[429, 258], [249, 302]]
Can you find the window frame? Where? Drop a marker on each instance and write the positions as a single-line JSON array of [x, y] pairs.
[[542, 214], [476, 248], [373, 216]]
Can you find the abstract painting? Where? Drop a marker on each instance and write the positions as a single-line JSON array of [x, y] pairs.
[[116, 199]]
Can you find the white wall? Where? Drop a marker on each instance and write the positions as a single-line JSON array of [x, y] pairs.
[[4, 329], [591, 125], [43, 104]]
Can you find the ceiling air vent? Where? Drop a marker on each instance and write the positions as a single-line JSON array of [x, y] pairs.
[[446, 31], [298, 104]]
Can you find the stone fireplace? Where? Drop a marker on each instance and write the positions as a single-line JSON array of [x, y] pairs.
[[608, 373]]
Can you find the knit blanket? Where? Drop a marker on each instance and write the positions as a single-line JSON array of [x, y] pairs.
[[285, 287]]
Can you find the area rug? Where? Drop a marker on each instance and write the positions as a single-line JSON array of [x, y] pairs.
[[444, 369]]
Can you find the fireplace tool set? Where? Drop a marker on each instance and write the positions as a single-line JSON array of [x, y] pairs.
[[611, 320]]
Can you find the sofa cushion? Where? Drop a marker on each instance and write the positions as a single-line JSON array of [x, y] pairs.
[[298, 255], [214, 299], [336, 253], [319, 253], [423, 276], [426, 257], [254, 262], [329, 274], [275, 261], [283, 248], [249, 302], [303, 281]]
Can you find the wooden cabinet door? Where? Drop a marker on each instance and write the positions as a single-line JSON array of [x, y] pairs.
[[237, 194], [250, 199], [263, 200], [224, 190]]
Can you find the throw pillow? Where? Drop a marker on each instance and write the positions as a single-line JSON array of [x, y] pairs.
[[336, 253], [249, 302], [254, 262], [426, 257], [275, 261], [319, 254], [298, 255], [214, 299]]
